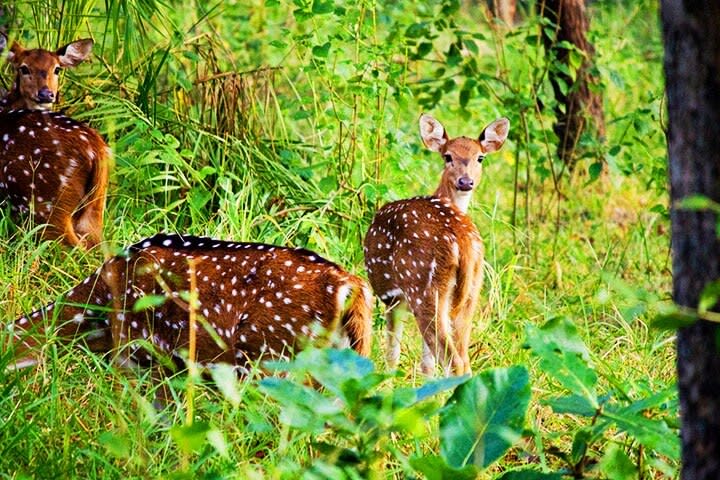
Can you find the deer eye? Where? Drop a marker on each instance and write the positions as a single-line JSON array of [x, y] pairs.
[[57, 70], [448, 158], [24, 70], [481, 158]]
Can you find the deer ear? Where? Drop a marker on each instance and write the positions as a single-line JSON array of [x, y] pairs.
[[15, 51], [74, 53], [494, 135], [432, 132]]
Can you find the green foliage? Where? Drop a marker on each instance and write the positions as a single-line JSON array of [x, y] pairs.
[[480, 421], [484, 417], [644, 419], [360, 417]]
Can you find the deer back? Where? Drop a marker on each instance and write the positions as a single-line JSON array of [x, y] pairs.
[[415, 247], [254, 301], [43, 155]]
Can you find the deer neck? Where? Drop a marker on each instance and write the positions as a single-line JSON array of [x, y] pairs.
[[460, 199], [14, 100]]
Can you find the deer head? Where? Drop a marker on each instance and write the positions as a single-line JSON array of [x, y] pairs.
[[463, 156], [38, 71]]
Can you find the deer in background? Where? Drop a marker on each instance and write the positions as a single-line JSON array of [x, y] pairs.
[[426, 252], [51, 166], [253, 301]]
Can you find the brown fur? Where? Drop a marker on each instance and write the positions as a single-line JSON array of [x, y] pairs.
[[57, 169], [37, 73], [51, 165], [256, 301], [426, 252]]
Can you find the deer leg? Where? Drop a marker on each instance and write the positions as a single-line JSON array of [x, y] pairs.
[[60, 225], [462, 316], [433, 317], [393, 336], [428, 360], [88, 227]]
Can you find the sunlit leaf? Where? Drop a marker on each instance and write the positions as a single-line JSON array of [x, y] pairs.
[[484, 417]]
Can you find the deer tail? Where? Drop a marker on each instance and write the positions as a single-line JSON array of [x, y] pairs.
[[357, 316]]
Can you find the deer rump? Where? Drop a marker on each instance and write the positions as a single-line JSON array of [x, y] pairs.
[[56, 180], [255, 301]]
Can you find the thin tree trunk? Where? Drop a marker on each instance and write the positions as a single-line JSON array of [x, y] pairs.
[[504, 10], [691, 31], [578, 106]]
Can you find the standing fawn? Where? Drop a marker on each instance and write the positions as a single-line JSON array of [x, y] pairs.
[[51, 166], [253, 301], [427, 253]]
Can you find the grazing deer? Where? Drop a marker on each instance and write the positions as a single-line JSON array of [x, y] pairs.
[[51, 166], [253, 301], [427, 253]]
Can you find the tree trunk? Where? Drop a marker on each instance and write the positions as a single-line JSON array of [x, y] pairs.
[[578, 106], [691, 31], [504, 10]]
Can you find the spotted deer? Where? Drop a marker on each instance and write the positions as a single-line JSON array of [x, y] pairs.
[[253, 301], [426, 252], [51, 166]]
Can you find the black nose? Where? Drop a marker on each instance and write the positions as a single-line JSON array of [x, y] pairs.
[[465, 184], [45, 95]]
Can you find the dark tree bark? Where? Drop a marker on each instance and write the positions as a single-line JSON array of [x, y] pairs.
[[691, 31], [578, 107]]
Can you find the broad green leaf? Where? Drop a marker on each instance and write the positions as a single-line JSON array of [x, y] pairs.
[[573, 404], [580, 443], [321, 51], [709, 296], [328, 184], [320, 7], [206, 171], [302, 407], [434, 387], [594, 171], [666, 400], [117, 445], [674, 319], [564, 356], [557, 333], [652, 433], [423, 49], [435, 468], [484, 417], [345, 373], [190, 438], [417, 30], [617, 465]]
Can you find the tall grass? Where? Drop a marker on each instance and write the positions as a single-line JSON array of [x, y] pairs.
[[241, 120]]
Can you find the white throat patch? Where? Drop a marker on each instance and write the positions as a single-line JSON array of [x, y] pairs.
[[462, 200]]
